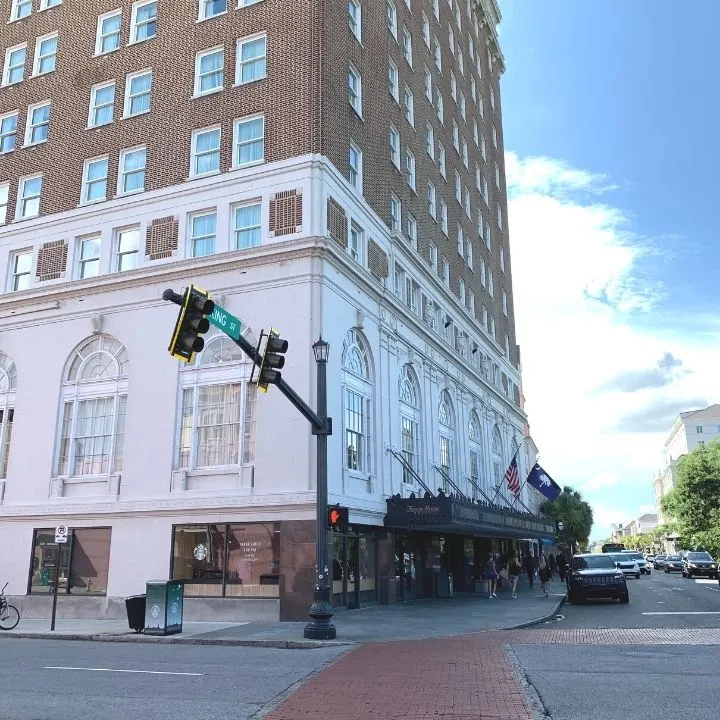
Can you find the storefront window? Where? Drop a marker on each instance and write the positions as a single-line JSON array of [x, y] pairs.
[[368, 546], [228, 560], [83, 563]]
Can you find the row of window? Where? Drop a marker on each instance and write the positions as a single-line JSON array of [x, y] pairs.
[[248, 149]]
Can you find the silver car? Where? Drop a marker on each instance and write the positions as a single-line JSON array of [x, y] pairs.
[[627, 565]]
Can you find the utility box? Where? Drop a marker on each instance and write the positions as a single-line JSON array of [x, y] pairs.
[[164, 607]]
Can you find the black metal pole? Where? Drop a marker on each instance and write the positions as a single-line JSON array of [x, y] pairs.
[[319, 627], [55, 587]]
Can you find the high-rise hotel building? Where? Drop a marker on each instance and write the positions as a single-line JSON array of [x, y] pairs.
[[325, 168]]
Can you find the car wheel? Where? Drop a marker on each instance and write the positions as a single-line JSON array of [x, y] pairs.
[[688, 575], [625, 598]]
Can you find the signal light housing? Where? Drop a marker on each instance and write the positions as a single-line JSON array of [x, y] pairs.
[[191, 322], [338, 518], [272, 360]]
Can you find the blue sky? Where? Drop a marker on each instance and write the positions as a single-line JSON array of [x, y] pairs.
[[610, 123]]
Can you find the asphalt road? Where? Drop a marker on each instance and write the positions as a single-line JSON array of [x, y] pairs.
[[689, 603], [161, 682]]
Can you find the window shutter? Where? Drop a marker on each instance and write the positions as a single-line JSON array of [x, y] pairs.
[[52, 260], [161, 238], [337, 223], [286, 209]]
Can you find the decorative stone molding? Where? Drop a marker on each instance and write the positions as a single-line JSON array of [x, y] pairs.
[[56, 487], [96, 321], [359, 319]]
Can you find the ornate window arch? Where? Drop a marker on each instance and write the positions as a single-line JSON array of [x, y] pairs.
[[93, 402], [8, 382], [216, 426], [475, 446], [446, 420], [410, 420], [358, 389], [497, 460]]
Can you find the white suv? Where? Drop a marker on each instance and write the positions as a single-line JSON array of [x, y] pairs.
[[626, 565], [640, 560]]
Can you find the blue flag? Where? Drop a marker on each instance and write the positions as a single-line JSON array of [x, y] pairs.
[[541, 481]]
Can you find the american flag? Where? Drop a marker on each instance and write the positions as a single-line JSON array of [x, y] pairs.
[[513, 478]]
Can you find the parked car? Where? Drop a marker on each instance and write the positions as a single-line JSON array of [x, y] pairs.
[[699, 563], [659, 562], [594, 575], [627, 565], [673, 563], [649, 559], [639, 559]]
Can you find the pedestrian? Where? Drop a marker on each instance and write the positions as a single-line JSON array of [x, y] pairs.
[[544, 574], [498, 569], [514, 573], [530, 568], [551, 565], [561, 562], [491, 575]]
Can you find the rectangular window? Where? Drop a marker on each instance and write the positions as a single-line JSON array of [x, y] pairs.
[[432, 205], [203, 228], [453, 83], [408, 429], [8, 132], [441, 160], [483, 147], [492, 98], [211, 8], [446, 272], [409, 104], [138, 88], [249, 141], [437, 52], [473, 89], [7, 415], [461, 62], [38, 124], [456, 137], [102, 104], [465, 154], [14, 67], [458, 187], [205, 152], [445, 456], [428, 86], [494, 136], [469, 255], [463, 106], [246, 226], [45, 54], [108, 32], [430, 141], [504, 303], [127, 248], [497, 175], [502, 259], [89, 257], [251, 59], [433, 256], [476, 133], [471, 301], [355, 434], [392, 18], [28, 201], [410, 168], [355, 90], [466, 200], [436, 9], [394, 140], [94, 182], [132, 170], [499, 216], [461, 291], [21, 265], [411, 230], [355, 246], [460, 241], [440, 108], [143, 24], [491, 326], [490, 284], [355, 19], [20, 9], [395, 213], [209, 71], [426, 30], [355, 166], [407, 46], [699, 429], [393, 81], [4, 199], [443, 216], [451, 39]]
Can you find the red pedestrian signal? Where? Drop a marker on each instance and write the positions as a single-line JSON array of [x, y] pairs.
[[337, 518]]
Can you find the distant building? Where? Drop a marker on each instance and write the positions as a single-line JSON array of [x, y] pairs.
[[643, 524]]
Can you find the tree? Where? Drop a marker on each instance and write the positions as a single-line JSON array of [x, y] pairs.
[[575, 514], [694, 502], [643, 541]]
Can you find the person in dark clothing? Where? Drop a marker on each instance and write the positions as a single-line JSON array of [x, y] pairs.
[[561, 563], [530, 568], [551, 565]]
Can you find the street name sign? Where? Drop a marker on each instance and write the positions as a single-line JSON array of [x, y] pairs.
[[226, 322]]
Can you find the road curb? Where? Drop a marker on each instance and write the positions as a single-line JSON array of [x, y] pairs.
[[543, 619]]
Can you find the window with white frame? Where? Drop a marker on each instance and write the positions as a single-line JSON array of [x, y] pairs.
[[476, 454], [411, 229], [440, 107], [504, 303], [463, 105], [460, 240], [251, 59], [453, 84], [446, 272], [433, 256], [355, 167], [473, 89], [209, 71], [497, 175], [490, 285], [458, 19], [202, 230], [456, 137], [443, 216], [108, 32], [102, 104], [8, 132], [458, 187], [484, 317], [483, 146], [494, 136], [395, 213], [465, 158], [249, 141], [407, 46], [428, 86], [491, 326], [37, 125], [14, 67], [356, 243], [95, 179], [20, 9], [20, 270], [426, 30], [205, 151], [211, 8], [410, 419], [461, 61], [410, 168], [492, 98], [446, 417], [393, 81], [45, 54], [131, 176], [478, 178], [143, 22], [476, 133], [217, 425], [431, 198], [507, 346], [4, 200], [409, 104], [247, 226], [394, 141], [481, 225], [91, 432], [430, 140], [355, 90], [437, 52], [392, 21], [488, 237], [469, 255], [436, 9], [357, 403], [499, 216], [466, 201], [441, 160], [28, 200], [481, 106], [138, 89], [8, 382], [88, 254], [483, 273], [502, 259], [355, 19], [471, 302], [461, 291], [127, 248], [451, 39], [485, 193]]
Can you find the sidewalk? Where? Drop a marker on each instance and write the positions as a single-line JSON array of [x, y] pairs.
[[421, 619]]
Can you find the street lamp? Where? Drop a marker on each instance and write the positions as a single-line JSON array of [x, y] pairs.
[[320, 627]]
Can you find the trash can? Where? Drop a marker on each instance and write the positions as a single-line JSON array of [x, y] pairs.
[[164, 607], [135, 606]]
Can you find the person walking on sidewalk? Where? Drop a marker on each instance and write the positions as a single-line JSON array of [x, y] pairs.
[[561, 563], [514, 573], [491, 575], [544, 574], [530, 568]]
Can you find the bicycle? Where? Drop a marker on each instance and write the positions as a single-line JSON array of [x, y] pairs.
[[9, 614]]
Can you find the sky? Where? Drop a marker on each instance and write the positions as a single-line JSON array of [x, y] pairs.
[[611, 141]]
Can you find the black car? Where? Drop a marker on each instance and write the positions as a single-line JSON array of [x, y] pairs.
[[699, 563], [594, 575], [673, 563], [659, 562]]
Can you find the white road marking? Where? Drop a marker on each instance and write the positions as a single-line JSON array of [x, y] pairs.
[[704, 581], [145, 672], [685, 612]]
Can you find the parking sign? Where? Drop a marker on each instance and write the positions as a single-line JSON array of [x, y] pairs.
[[61, 534]]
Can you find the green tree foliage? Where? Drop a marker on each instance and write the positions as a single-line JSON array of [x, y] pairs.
[[643, 541], [694, 502], [575, 514]]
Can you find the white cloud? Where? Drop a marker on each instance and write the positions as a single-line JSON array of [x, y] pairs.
[[578, 295]]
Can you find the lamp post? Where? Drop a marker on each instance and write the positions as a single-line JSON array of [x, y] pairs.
[[320, 627]]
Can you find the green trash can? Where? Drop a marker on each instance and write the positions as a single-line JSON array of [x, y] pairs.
[[164, 607]]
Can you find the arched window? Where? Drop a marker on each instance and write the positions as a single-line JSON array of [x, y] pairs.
[[410, 419], [94, 397], [357, 402], [497, 461], [8, 380], [475, 445], [446, 417], [217, 408]]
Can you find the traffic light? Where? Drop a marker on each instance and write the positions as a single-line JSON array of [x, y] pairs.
[[272, 360], [191, 322], [338, 518]]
